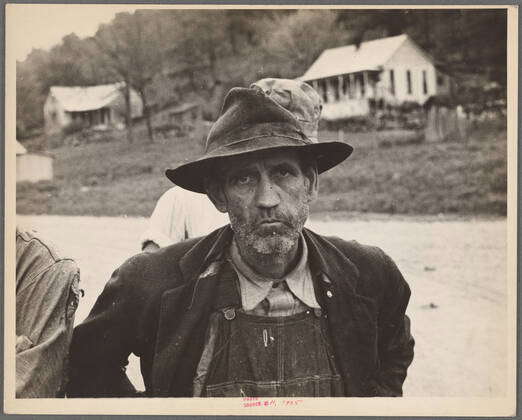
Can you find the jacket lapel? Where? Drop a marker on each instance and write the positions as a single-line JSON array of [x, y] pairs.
[[183, 316], [351, 317]]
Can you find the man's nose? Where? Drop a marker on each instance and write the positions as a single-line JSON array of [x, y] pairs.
[[267, 196]]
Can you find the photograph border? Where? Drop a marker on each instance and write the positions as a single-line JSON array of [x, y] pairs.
[[409, 406]]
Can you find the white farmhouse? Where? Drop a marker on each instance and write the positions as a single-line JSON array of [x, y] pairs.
[[101, 106], [352, 80]]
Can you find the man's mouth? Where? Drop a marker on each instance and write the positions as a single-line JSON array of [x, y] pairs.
[[271, 222]]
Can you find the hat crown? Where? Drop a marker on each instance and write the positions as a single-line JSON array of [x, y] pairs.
[[297, 98], [268, 107]]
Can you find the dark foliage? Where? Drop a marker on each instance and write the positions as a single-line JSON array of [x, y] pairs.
[[181, 55]]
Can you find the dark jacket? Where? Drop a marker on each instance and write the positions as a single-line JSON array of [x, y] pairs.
[[157, 306]]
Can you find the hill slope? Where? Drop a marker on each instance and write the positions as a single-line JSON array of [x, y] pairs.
[[389, 172]]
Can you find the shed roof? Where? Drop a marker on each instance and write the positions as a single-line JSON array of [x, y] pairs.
[[86, 98], [370, 55], [20, 149]]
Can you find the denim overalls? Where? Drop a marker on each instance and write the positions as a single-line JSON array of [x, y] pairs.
[[251, 355]]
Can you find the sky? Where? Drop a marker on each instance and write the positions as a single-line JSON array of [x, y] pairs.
[[44, 25]]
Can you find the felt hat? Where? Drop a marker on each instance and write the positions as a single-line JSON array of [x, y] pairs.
[[270, 114]]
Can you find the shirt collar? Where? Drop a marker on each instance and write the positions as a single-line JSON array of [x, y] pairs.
[[255, 288]]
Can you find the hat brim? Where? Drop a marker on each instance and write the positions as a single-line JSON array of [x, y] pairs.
[[191, 176]]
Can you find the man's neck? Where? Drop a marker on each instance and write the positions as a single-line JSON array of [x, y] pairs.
[[273, 266]]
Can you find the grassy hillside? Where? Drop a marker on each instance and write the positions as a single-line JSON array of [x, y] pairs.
[[389, 172]]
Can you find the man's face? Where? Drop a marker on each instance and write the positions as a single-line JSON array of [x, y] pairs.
[[267, 197]]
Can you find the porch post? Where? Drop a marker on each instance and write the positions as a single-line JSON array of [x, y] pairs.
[[328, 88], [365, 83], [352, 86], [369, 86]]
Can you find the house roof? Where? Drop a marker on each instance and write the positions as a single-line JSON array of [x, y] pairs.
[[370, 55], [86, 98], [20, 149]]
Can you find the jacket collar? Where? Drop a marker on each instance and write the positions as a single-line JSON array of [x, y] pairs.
[[201, 256], [325, 259], [325, 256], [204, 252]]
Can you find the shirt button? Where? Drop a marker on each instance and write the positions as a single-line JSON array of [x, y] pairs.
[[329, 293]]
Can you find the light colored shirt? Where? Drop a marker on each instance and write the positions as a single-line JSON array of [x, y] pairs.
[[263, 296], [181, 214]]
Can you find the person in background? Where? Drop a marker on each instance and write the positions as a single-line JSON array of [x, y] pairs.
[[263, 306], [47, 295], [180, 214]]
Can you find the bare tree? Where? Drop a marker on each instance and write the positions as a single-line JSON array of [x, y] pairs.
[[132, 48]]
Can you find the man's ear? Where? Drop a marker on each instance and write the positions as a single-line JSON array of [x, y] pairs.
[[216, 195], [313, 183]]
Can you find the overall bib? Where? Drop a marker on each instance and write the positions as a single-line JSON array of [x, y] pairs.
[[265, 356]]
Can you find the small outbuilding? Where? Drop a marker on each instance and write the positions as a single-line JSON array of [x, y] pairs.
[[32, 167], [188, 114], [388, 71], [100, 107]]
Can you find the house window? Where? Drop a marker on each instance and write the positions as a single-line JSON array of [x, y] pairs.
[[424, 82], [408, 82], [440, 80], [392, 82]]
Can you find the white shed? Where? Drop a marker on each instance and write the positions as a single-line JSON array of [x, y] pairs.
[[32, 167], [391, 70]]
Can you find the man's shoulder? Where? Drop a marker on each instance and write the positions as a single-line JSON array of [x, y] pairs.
[[164, 268], [31, 247], [352, 249], [35, 258], [30, 241], [163, 261], [375, 269]]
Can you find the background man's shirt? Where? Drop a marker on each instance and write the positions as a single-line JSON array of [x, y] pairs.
[[47, 295], [181, 214]]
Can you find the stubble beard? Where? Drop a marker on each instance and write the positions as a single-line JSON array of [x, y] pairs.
[[269, 243]]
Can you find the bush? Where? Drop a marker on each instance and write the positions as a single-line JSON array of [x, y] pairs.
[[73, 127], [409, 106], [352, 124]]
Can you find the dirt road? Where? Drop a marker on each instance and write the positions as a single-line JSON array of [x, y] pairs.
[[456, 270]]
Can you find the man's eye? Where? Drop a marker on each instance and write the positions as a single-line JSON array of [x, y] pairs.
[[283, 172], [244, 179]]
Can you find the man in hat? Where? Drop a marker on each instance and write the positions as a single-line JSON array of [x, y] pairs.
[[263, 306]]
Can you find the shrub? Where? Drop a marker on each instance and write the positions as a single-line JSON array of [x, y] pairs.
[[73, 127]]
